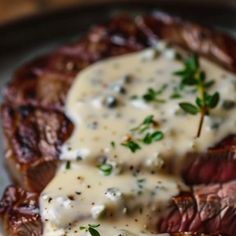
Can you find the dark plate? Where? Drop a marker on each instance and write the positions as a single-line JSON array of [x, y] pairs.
[[26, 38]]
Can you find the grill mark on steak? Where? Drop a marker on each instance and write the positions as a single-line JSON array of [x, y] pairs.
[[33, 137], [37, 94]]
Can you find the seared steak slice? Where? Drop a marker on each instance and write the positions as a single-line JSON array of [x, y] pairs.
[[217, 165], [45, 81], [208, 209], [33, 85], [20, 212], [33, 137], [214, 45]]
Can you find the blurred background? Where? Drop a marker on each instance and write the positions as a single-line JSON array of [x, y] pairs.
[[13, 9]]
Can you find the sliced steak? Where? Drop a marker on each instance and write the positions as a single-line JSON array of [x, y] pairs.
[[20, 212], [33, 137], [208, 209], [217, 165]]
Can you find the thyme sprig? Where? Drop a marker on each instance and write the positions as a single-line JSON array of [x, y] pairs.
[[91, 228], [149, 137], [193, 75]]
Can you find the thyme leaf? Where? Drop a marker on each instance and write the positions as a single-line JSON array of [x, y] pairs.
[[189, 108], [68, 165], [91, 228], [106, 169], [113, 144], [147, 122], [132, 145], [152, 95], [153, 137], [93, 231]]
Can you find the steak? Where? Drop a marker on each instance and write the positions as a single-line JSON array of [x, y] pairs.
[[217, 165], [20, 212], [207, 209], [33, 137], [35, 126]]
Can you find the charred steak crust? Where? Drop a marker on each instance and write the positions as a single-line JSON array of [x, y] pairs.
[[20, 212], [33, 138], [35, 126]]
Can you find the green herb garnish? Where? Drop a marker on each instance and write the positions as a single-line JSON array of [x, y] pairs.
[[79, 158], [132, 145], [189, 108], [192, 75], [68, 165], [147, 122], [113, 144], [148, 137], [106, 169], [176, 93], [153, 137], [152, 95], [91, 228]]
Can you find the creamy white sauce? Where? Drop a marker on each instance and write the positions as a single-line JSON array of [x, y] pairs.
[[129, 202], [102, 106]]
